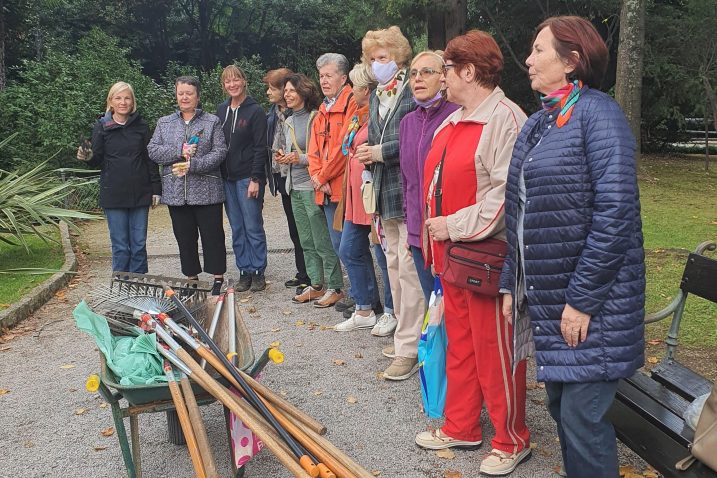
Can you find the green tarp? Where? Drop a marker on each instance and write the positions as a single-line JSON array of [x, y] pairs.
[[134, 360]]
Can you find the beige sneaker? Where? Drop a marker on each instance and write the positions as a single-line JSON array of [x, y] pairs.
[[356, 322], [499, 463], [308, 295], [385, 326], [401, 368], [389, 351], [437, 440], [330, 297]]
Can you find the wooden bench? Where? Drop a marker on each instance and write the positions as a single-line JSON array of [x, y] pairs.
[[648, 408]]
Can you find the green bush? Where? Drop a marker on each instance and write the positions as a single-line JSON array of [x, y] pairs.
[[57, 99]]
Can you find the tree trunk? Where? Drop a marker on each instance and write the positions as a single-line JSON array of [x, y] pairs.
[[205, 54], [630, 53], [446, 19], [713, 104]]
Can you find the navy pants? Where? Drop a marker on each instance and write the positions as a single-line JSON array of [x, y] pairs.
[[587, 437]]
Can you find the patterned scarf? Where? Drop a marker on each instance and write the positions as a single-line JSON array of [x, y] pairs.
[[564, 98], [388, 94]]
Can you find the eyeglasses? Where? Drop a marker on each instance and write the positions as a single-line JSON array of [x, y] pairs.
[[447, 66], [423, 73]]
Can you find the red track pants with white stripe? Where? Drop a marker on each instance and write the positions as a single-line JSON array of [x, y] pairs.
[[478, 370]]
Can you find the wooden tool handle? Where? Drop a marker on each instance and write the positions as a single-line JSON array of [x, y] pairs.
[[184, 421], [284, 405], [221, 394], [200, 432]]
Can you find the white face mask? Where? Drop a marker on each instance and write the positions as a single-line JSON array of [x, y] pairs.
[[384, 71]]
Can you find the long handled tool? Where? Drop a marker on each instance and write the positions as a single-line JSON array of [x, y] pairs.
[[200, 432], [301, 454], [181, 356], [184, 421], [215, 320], [223, 366]]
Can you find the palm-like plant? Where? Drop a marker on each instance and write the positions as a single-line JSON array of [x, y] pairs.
[[31, 200]]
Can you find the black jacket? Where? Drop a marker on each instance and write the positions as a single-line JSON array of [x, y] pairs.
[[245, 135], [127, 178]]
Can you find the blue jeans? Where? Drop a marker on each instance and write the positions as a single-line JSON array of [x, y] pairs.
[[425, 277], [587, 437], [355, 253], [247, 222], [387, 296], [128, 236]]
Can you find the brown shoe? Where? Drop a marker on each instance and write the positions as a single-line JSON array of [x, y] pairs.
[[330, 298], [401, 368], [309, 294]]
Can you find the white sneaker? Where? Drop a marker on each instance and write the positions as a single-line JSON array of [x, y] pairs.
[[385, 325], [356, 322]]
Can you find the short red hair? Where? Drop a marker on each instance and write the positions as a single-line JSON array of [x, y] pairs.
[[578, 34], [479, 49]]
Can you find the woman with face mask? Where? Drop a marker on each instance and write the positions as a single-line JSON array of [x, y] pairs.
[[189, 146], [388, 52], [415, 135]]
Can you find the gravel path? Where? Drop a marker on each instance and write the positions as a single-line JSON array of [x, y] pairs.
[[50, 426]]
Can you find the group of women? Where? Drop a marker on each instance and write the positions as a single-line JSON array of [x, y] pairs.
[[406, 158]]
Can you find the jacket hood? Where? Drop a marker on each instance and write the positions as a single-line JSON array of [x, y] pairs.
[[247, 101]]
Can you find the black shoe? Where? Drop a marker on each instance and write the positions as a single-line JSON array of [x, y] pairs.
[[296, 283], [349, 312], [345, 303], [244, 282], [258, 281], [217, 286]]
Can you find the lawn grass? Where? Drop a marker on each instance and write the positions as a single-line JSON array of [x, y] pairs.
[[42, 255], [679, 210]]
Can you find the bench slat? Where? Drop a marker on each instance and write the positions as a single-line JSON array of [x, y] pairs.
[[681, 380], [658, 392], [651, 410]]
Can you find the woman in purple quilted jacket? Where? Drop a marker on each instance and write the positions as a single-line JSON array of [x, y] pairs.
[[574, 281]]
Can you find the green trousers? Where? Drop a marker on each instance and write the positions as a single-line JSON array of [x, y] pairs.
[[322, 264]]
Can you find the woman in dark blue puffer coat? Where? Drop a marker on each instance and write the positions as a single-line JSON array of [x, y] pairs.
[[575, 277]]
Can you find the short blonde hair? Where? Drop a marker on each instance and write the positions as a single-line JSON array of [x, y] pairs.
[[117, 88], [362, 77], [389, 38], [436, 55], [233, 71]]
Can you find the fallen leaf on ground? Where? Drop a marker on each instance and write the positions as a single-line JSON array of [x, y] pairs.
[[339, 362], [379, 375], [67, 366], [103, 405], [107, 432], [252, 309], [452, 474], [286, 312], [4, 349], [351, 399], [28, 444], [376, 473], [650, 472], [4, 306], [654, 342], [531, 385], [282, 393], [72, 389], [358, 355], [4, 391], [80, 411], [537, 402], [275, 344], [100, 448], [243, 301], [275, 329], [652, 360], [299, 323], [446, 454], [557, 469], [625, 469], [318, 392]]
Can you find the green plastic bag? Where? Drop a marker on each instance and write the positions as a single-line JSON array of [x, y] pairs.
[[134, 360]]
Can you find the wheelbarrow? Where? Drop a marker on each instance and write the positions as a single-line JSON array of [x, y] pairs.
[[153, 398]]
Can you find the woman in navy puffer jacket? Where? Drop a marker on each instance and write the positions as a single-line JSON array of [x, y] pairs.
[[575, 277]]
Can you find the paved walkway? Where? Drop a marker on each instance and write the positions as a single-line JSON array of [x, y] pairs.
[[50, 426]]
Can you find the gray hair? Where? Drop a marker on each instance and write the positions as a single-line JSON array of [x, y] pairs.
[[342, 64], [362, 77]]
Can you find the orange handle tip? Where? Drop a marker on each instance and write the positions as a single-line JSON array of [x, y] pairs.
[[325, 472], [309, 466]]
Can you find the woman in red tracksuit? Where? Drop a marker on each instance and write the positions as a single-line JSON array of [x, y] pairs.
[[473, 146]]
